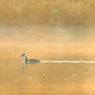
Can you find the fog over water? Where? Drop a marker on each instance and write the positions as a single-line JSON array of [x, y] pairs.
[[67, 56], [71, 39], [60, 35], [48, 35], [37, 35]]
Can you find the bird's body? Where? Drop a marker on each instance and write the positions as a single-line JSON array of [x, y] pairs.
[[29, 60], [33, 60]]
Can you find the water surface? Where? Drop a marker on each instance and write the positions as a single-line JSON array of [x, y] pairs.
[[49, 78], [67, 57]]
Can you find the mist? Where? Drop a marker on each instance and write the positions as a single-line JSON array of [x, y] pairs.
[[30, 35]]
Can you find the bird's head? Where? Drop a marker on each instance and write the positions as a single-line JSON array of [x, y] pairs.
[[23, 55]]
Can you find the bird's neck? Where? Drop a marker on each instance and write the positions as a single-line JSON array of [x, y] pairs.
[[25, 59]]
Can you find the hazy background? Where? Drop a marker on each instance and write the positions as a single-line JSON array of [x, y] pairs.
[[47, 25], [49, 30], [47, 12]]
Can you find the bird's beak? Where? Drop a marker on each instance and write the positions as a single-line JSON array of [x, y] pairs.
[[21, 56]]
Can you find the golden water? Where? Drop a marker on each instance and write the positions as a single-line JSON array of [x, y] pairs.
[[46, 78]]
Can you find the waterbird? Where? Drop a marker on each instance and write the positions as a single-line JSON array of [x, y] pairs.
[[29, 60]]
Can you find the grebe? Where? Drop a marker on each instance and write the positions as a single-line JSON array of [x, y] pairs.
[[30, 60]]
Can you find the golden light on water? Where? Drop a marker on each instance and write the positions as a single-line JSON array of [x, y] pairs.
[[59, 33]]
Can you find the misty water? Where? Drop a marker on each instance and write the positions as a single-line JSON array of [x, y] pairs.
[[65, 68]]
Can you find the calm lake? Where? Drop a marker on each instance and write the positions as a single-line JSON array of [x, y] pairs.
[[47, 78], [60, 71]]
